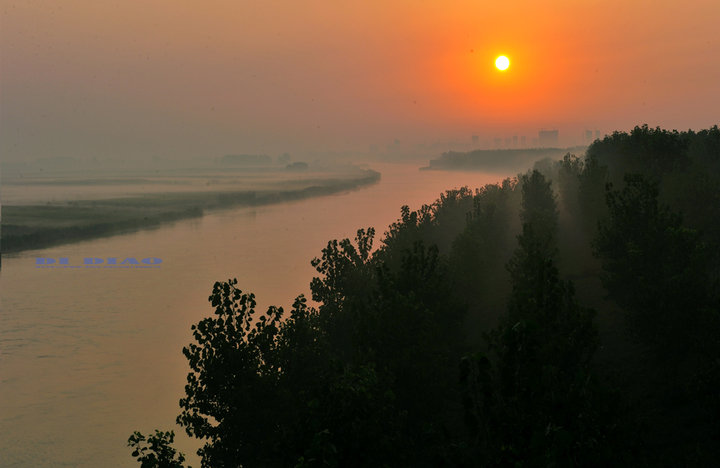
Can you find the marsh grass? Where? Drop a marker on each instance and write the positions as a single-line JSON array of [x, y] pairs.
[[38, 226]]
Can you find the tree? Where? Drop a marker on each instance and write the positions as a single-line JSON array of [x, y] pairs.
[[156, 450], [338, 385], [569, 170], [344, 287], [655, 268], [436, 224], [232, 387], [660, 273], [399, 319], [533, 399], [539, 209], [591, 193], [653, 152], [480, 251]]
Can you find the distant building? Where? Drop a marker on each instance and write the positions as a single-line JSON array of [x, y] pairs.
[[297, 166], [548, 138], [597, 134], [588, 136], [515, 141], [523, 141], [475, 139]]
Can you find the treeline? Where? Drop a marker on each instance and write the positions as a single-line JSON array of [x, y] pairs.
[[496, 159], [460, 340]]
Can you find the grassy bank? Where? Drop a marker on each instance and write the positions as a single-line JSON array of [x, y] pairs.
[[27, 227]]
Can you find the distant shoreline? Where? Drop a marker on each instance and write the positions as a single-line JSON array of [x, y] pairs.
[[496, 159], [28, 227]]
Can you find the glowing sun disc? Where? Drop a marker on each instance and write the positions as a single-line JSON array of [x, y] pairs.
[[502, 62]]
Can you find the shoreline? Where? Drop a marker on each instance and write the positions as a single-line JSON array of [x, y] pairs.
[[29, 227]]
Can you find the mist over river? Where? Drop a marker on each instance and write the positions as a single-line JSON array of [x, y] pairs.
[[88, 355]]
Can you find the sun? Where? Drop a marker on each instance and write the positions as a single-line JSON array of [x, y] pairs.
[[502, 62]]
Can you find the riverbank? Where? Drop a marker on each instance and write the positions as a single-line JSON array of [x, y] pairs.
[[497, 159], [35, 226]]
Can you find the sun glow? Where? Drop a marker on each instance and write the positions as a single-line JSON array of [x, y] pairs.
[[502, 62]]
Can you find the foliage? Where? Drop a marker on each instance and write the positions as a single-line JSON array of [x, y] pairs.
[[533, 399], [156, 450], [403, 323], [654, 266], [344, 286], [436, 224], [336, 386], [653, 151], [539, 210], [233, 379], [568, 180], [664, 274], [479, 253]]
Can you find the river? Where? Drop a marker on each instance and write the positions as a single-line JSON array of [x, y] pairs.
[[88, 355]]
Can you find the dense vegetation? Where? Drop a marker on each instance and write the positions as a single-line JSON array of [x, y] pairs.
[[462, 341]]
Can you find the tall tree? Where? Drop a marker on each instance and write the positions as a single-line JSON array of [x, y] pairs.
[[533, 398], [539, 209], [655, 268]]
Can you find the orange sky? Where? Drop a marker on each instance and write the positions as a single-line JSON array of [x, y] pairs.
[[173, 77]]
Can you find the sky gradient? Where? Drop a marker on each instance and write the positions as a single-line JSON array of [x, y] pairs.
[[175, 78]]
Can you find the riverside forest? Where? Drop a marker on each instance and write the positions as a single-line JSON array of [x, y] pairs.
[[568, 316]]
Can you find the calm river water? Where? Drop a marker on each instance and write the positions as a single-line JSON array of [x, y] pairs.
[[89, 355]]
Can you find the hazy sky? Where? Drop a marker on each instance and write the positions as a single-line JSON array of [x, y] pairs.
[[204, 78]]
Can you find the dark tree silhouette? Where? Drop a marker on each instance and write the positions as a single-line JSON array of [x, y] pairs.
[[654, 266], [539, 209], [533, 399], [156, 450]]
